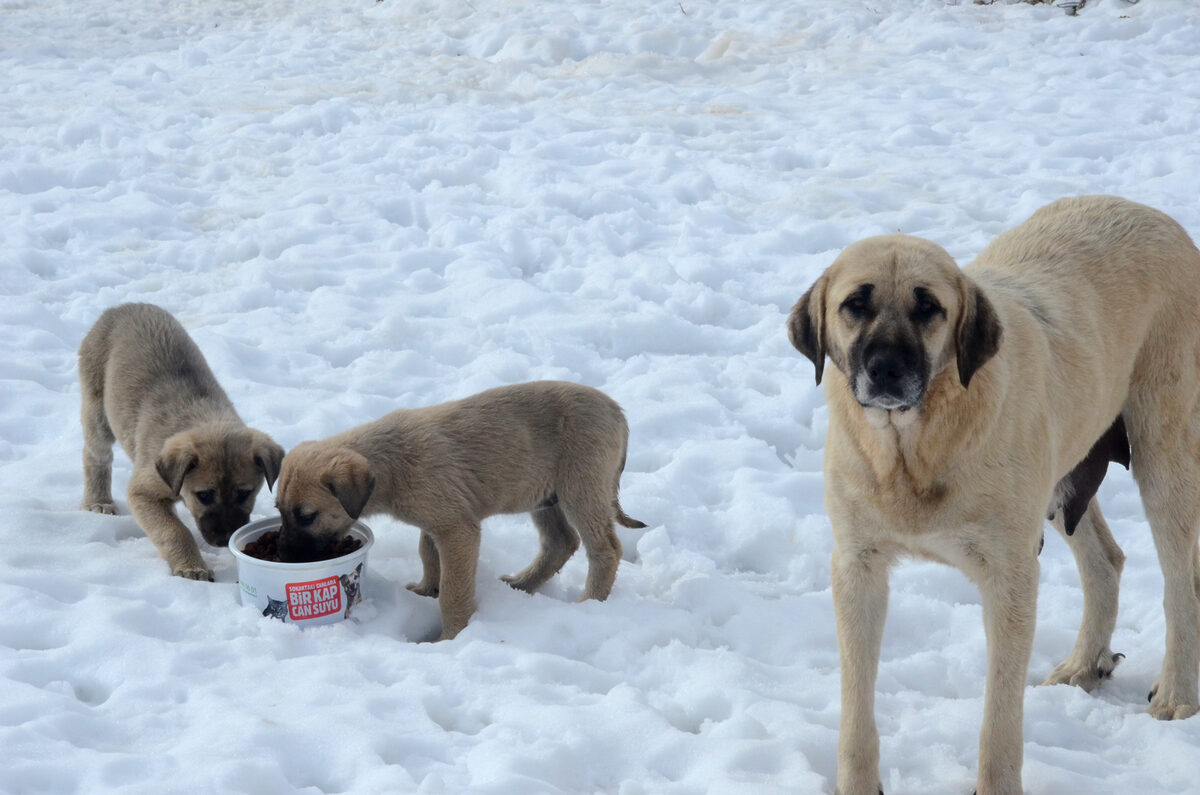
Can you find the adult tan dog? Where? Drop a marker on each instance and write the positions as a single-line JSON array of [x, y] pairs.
[[145, 383], [552, 448], [959, 399]]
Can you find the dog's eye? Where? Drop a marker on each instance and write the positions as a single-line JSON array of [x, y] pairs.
[[206, 497], [926, 309], [306, 519], [856, 306], [925, 306], [244, 494]]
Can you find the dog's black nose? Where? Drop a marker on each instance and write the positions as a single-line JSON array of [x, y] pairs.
[[217, 526], [886, 371]]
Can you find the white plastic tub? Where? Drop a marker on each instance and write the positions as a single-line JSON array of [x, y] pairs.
[[306, 594]]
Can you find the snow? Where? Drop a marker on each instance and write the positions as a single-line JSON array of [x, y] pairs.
[[355, 206]]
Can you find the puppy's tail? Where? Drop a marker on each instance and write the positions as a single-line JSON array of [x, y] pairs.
[[622, 518], [626, 521]]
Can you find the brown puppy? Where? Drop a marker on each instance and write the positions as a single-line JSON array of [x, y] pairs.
[[145, 383], [554, 449], [960, 399]]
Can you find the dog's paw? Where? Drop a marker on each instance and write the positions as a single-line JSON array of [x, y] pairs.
[[422, 589], [202, 573], [838, 791], [106, 508], [1164, 706], [1087, 674], [1172, 711], [517, 582]]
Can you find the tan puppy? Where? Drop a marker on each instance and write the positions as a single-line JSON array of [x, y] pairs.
[[959, 399], [145, 383], [554, 449]]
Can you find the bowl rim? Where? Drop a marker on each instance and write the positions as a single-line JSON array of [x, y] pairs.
[[359, 529]]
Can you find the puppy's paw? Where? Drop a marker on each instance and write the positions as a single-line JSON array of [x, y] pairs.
[[202, 573], [1166, 706], [423, 589], [106, 508], [1087, 674], [520, 583]]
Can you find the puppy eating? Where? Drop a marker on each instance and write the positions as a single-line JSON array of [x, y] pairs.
[[550, 448], [145, 384]]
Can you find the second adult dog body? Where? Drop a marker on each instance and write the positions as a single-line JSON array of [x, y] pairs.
[[551, 448], [959, 399]]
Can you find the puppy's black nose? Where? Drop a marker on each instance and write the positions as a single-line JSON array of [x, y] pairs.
[[217, 526]]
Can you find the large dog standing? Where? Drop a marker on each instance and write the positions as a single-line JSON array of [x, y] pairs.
[[146, 384], [960, 399], [551, 448]]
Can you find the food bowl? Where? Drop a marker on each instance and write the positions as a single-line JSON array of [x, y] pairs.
[[305, 594]]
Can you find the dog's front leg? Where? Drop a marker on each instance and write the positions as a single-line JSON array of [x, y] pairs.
[[458, 551], [431, 566], [171, 537], [860, 595], [1009, 591]]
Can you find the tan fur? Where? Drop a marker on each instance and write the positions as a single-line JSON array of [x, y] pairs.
[[551, 448], [145, 383], [1096, 301]]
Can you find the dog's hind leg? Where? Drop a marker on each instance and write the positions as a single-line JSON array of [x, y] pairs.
[[591, 513], [1099, 561], [431, 568], [557, 542], [1166, 466], [98, 441]]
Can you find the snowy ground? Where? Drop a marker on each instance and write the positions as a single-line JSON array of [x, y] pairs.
[[355, 206]]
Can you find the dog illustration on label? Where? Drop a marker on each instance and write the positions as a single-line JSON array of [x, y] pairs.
[[351, 589]]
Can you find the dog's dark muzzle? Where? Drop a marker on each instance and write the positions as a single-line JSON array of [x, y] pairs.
[[891, 377], [217, 526]]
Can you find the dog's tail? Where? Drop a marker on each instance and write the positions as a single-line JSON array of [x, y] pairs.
[[622, 518], [626, 521]]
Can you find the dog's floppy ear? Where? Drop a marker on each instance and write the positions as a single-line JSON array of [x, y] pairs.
[[977, 337], [806, 325], [177, 458], [268, 456], [351, 481]]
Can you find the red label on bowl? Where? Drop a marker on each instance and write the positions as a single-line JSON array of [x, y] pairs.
[[313, 599]]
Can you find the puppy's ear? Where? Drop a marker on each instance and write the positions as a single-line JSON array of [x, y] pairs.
[[177, 458], [806, 325], [351, 481], [268, 456], [977, 337]]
